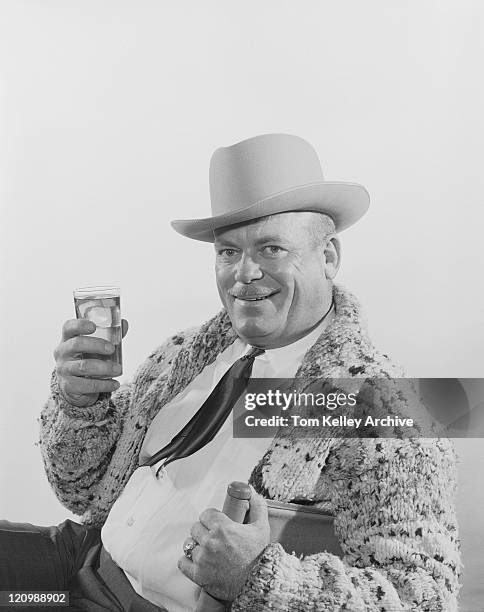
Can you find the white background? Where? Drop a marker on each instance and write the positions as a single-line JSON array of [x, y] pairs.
[[109, 114]]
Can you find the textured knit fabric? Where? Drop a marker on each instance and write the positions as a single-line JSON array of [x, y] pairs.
[[393, 499]]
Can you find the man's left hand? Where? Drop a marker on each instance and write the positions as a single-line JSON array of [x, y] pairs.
[[225, 550]]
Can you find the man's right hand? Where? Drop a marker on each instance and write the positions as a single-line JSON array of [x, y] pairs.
[[81, 380]]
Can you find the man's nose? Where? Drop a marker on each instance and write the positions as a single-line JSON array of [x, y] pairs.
[[247, 270]]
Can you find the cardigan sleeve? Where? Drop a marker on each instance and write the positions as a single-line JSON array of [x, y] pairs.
[[78, 444], [395, 519]]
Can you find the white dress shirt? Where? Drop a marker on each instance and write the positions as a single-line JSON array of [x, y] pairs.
[[148, 524]]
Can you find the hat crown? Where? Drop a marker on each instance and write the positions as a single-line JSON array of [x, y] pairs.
[[257, 168]]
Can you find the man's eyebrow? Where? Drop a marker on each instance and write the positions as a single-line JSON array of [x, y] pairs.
[[271, 238], [268, 238], [219, 241]]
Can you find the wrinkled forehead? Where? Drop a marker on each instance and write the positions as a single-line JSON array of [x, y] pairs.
[[284, 225]]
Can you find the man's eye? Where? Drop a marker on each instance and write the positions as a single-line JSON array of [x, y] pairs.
[[273, 250], [227, 252]]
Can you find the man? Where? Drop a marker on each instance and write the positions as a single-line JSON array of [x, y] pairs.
[[274, 225]]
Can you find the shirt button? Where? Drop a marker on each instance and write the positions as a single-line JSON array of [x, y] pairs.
[[130, 521]]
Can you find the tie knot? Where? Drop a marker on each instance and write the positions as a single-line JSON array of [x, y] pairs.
[[253, 353]]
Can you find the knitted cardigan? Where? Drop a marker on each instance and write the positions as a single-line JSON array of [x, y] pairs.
[[393, 499]]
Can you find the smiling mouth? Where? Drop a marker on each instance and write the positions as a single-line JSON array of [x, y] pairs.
[[258, 298]]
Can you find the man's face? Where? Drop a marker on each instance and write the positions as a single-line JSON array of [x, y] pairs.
[[273, 278]]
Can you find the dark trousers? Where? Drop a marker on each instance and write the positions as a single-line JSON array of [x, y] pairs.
[[65, 557]]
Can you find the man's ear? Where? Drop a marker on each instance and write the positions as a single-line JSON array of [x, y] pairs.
[[332, 256]]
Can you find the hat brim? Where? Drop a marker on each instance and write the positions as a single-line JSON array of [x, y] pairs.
[[345, 203]]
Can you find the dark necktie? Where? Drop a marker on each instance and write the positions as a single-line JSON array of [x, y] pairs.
[[205, 424]]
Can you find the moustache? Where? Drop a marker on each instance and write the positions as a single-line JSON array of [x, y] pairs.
[[252, 293]]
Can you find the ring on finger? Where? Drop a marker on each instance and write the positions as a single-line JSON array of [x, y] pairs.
[[188, 548]]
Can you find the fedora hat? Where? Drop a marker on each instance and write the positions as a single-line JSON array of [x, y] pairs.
[[270, 174]]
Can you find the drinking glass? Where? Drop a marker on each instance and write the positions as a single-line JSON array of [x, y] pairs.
[[102, 306]]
